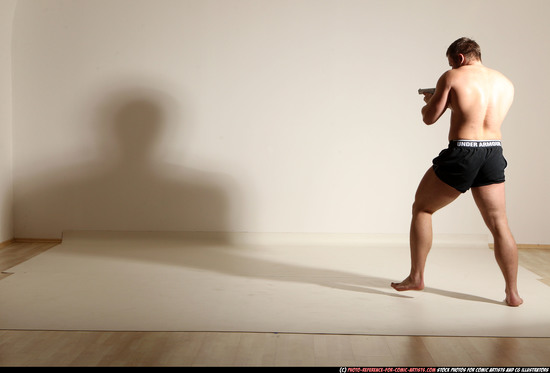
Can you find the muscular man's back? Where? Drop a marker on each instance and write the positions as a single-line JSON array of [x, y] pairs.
[[479, 98]]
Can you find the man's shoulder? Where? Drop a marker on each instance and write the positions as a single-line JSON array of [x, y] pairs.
[[500, 78], [448, 77]]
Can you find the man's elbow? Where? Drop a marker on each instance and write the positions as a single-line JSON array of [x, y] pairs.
[[431, 116], [427, 116], [428, 120]]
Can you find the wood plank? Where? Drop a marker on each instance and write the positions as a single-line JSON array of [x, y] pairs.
[[256, 349], [371, 350], [409, 351], [332, 349], [17, 253], [6, 243], [217, 349], [295, 350], [446, 351]]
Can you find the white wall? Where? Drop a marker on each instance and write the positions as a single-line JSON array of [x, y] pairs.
[[7, 8], [259, 115]]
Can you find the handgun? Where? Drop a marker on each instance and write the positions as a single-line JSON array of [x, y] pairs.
[[421, 91]]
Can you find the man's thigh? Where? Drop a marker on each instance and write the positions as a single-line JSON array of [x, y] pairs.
[[491, 201], [433, 194]]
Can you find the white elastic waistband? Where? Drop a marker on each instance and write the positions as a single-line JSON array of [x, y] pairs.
[[475, 143]]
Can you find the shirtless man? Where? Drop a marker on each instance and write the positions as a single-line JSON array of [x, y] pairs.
[[479, 99]]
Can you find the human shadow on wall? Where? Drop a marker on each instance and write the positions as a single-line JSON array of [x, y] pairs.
[[127, 185]]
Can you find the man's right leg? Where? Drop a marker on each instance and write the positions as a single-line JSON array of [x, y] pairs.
[[432, 194], [490, 200]]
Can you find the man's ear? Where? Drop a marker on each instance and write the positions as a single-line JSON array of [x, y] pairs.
[[461, 59]]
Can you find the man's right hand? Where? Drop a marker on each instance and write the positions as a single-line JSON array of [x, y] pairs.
[[427, 97]]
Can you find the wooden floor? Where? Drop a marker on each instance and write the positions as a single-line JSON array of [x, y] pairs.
[[84, 348]]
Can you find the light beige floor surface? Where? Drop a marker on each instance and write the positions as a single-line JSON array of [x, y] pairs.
[[138, 281]]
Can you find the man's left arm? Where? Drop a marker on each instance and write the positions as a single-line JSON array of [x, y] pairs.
[[436, 104]]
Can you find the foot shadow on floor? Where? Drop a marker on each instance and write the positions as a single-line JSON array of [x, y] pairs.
[[461, 296]]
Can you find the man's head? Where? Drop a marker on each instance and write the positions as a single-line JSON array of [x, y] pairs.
[[463, 51]]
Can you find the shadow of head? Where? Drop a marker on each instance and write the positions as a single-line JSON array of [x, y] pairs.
[[135, 123]]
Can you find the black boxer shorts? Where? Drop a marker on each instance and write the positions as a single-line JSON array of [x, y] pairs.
[[471, 163]]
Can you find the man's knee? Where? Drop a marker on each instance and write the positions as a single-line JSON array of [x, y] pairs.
[[419, 208], [496, 222]]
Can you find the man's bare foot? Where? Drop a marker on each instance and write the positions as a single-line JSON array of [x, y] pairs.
[[408, 284], [513, 299]]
